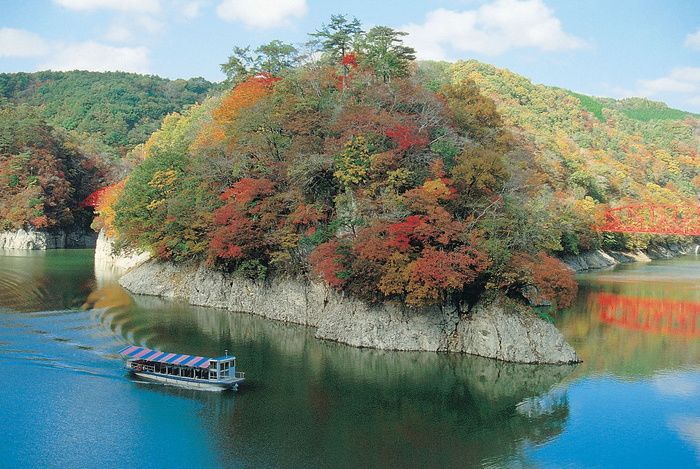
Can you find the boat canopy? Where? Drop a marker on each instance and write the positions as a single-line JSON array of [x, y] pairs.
[[143, 353]]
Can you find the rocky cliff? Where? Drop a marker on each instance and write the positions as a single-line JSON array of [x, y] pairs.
[[41, 240], [107, 258], [498, 329]]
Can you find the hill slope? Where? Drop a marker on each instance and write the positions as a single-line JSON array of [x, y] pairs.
[[607, 149], [121, 109]]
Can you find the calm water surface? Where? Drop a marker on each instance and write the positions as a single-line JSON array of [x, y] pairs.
[[634, 402]]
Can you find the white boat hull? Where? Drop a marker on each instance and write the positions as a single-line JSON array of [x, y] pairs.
[[188, 382]]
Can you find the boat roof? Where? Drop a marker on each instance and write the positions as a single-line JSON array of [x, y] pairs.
[[144, 353], [225, 357]]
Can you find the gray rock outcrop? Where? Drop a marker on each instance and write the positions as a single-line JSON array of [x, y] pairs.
[[597, 259], [107, 257], [600, 259], [41, 240], [497, 328]]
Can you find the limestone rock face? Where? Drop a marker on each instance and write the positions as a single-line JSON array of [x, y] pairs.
[[670, 250], [501, 329], [107, 259], [597, 259], [41, 240], [495, 328]]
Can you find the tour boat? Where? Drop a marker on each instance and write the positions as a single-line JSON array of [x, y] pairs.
[[212, 374]]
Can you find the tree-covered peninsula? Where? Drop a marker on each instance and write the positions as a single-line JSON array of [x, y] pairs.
[[391, 180], [422, 183]]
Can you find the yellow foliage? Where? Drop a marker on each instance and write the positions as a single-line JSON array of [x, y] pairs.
[[436, 188], [105, 207], [353, 162], [395, 276], [397, 178], [154, 204], [162, 179]]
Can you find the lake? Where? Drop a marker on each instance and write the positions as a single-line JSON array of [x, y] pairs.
[[67, 402]]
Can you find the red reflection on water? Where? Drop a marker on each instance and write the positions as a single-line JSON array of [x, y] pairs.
[[655, 315]]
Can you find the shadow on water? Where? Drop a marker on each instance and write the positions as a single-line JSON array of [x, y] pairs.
[[307, 402]]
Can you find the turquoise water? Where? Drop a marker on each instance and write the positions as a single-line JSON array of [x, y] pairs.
[[634, 402]]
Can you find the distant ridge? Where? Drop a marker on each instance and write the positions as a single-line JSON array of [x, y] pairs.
[[121, 109]]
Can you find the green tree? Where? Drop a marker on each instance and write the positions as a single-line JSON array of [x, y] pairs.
[[118, 109], [273, 58], [338, 37], [384, 52]]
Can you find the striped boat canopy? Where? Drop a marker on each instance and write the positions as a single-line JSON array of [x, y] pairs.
[[143, 353]]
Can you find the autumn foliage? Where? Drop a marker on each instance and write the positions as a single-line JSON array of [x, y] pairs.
[[390, 182], [105, 199], [244, 221], [44, 174], [329, 261], [554, 282], [406, 136], [242, 97]]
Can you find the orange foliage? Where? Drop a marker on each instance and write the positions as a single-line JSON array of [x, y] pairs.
[[105, 206], [554, 281], [40, 222], [242, 97], [249, 189]]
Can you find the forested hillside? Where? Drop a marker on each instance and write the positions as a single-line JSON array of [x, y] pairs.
[[391, 180], [589, 151], [119, 109], [44, 173], [62, 135]]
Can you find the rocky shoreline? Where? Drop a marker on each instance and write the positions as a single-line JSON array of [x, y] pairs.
[[600, 259], [495, 328], [41, 240], [498, 328], [108, 260]]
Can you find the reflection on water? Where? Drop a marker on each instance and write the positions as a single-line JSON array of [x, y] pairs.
[[67, 401], [637, 319], [636, 329], [311, 402], [308, 402], [31, 280], [651, 315]]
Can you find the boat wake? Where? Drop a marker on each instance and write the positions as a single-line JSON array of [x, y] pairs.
[[68, 340]]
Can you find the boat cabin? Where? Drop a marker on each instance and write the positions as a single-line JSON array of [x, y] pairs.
[[169, 367]]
